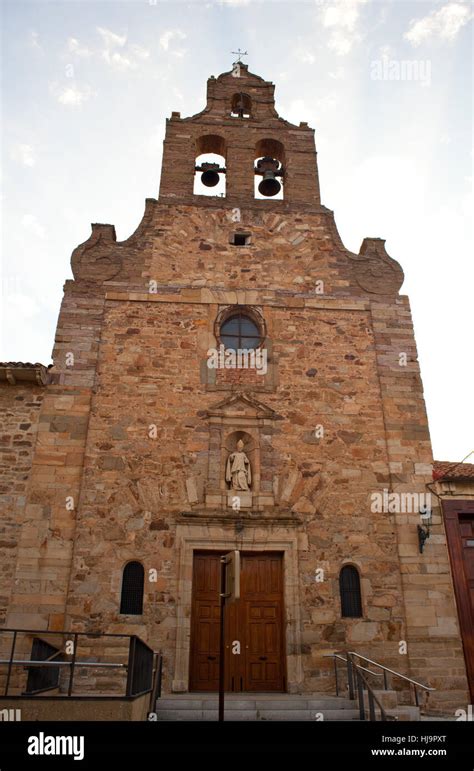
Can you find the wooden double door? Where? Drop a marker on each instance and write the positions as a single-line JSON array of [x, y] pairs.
[[255, 622], [459, 521]]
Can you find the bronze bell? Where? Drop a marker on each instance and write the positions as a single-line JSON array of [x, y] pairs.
[[210, 176], [269, 185]]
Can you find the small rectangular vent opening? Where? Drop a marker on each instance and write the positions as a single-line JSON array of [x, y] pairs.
[[240, 239]]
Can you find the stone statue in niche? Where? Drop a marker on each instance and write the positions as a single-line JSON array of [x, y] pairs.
[[238, 471]]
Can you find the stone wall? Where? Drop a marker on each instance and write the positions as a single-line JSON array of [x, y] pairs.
[[53, 490], [19, 410], [125, 432]]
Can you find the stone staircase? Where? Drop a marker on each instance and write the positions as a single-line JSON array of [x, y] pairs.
[[258, 706]]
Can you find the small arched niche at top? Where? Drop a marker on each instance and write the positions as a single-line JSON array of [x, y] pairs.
[[241, 106]]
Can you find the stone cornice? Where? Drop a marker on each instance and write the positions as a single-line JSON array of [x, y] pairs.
[[263, 297], [18, 372], [243, 519]]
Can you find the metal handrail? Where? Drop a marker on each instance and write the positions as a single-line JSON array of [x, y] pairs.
[[361, 681], [68, 632], [360, 678], [157, 675], [341, 658], [356, 681], [138, 661], [49, 663], [392, 671]]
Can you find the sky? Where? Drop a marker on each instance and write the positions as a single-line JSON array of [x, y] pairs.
[[387, 86]]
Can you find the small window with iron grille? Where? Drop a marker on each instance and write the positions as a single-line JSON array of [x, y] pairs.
[[131, 601], [349, 586]]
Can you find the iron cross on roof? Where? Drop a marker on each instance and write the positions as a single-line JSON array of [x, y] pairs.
[[239, 53]]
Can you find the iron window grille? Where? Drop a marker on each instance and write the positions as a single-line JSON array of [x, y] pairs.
[[349, 585], [131, 601]]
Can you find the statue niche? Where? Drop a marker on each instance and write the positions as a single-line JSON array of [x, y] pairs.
[[240, 457], [238, 469]]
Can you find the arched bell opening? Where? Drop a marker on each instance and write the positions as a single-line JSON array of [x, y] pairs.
[[210, 166], [241, 106], [269, 169]]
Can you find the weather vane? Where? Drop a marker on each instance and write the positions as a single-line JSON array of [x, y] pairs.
[[239, 53]]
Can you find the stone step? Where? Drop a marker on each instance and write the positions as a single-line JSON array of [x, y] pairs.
[[256, 715], [308, 714], [246, 695], [255, 704], [258, 706]]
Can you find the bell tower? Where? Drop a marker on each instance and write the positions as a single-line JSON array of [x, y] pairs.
[[241, 125]]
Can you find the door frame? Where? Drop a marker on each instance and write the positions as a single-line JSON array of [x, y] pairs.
[[221, 538], [453, 513], [243, 554]]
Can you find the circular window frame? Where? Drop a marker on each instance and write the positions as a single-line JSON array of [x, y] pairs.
[[253, 314]]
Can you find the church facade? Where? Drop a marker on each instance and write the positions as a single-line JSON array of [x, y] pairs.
[[153, 445]]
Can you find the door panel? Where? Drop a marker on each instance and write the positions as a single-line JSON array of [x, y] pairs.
[[467, 543], [205, 624], [263, 652], [256, 621], [459, 521]]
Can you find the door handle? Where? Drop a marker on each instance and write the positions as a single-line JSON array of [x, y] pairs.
[[211, 658], [263, 658]]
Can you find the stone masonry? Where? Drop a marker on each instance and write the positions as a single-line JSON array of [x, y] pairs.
[[20, 403], [134, 425]]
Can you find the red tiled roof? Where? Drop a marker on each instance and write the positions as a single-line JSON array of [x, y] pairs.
[[25, 364], [444, 469]]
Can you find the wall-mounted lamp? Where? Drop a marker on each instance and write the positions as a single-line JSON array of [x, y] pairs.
[[424, 528]]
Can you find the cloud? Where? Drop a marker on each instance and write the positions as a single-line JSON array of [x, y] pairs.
[[34, 42], [300, 110], [168, 36], [71, 95], [154, 142], [127, 58], [111, 39], [139, 52], [30, 222], [23, 154], [443, 24], [304, 55], [386, 51], [21, 305], [342, 21], [74, 47], [338, 74], [118, 60], [467, 200]]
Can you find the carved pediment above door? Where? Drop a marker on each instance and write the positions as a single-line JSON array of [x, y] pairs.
[[241, 464], [242, 405]]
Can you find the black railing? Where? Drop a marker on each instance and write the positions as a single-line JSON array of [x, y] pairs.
[[41, 679], [157, 677], [358, 683], [55, 666], [140, 668]]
